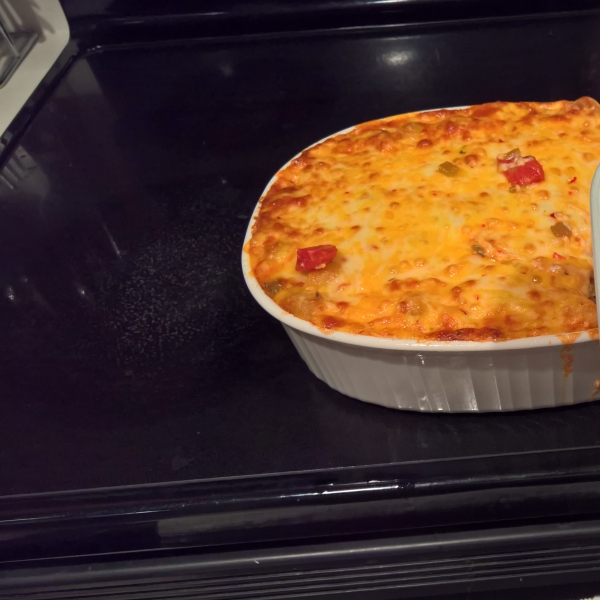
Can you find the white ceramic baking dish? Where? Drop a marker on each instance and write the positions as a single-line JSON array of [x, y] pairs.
[[537, 372]]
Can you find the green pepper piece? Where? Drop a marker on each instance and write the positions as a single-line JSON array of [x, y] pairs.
[[449, 169], [478, 249], [561, 230]]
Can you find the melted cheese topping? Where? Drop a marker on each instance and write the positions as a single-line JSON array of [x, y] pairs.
[[424, 255]]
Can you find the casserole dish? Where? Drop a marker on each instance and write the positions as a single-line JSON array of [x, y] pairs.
[[440, 376]]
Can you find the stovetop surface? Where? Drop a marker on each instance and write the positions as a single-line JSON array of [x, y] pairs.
[[132, 352]]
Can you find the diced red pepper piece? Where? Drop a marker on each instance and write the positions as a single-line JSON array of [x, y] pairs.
[[557, 256], [315, 257], [520, 170], [526, 174]]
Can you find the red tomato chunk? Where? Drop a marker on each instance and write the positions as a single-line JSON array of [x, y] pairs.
[[315, 257]]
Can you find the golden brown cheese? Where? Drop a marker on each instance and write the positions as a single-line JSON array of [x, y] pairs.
[[423, 255]]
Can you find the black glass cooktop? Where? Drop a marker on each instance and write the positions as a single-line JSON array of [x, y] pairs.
[[131, 350]]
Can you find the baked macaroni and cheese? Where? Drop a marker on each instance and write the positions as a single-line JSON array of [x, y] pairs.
[[469, 224]]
